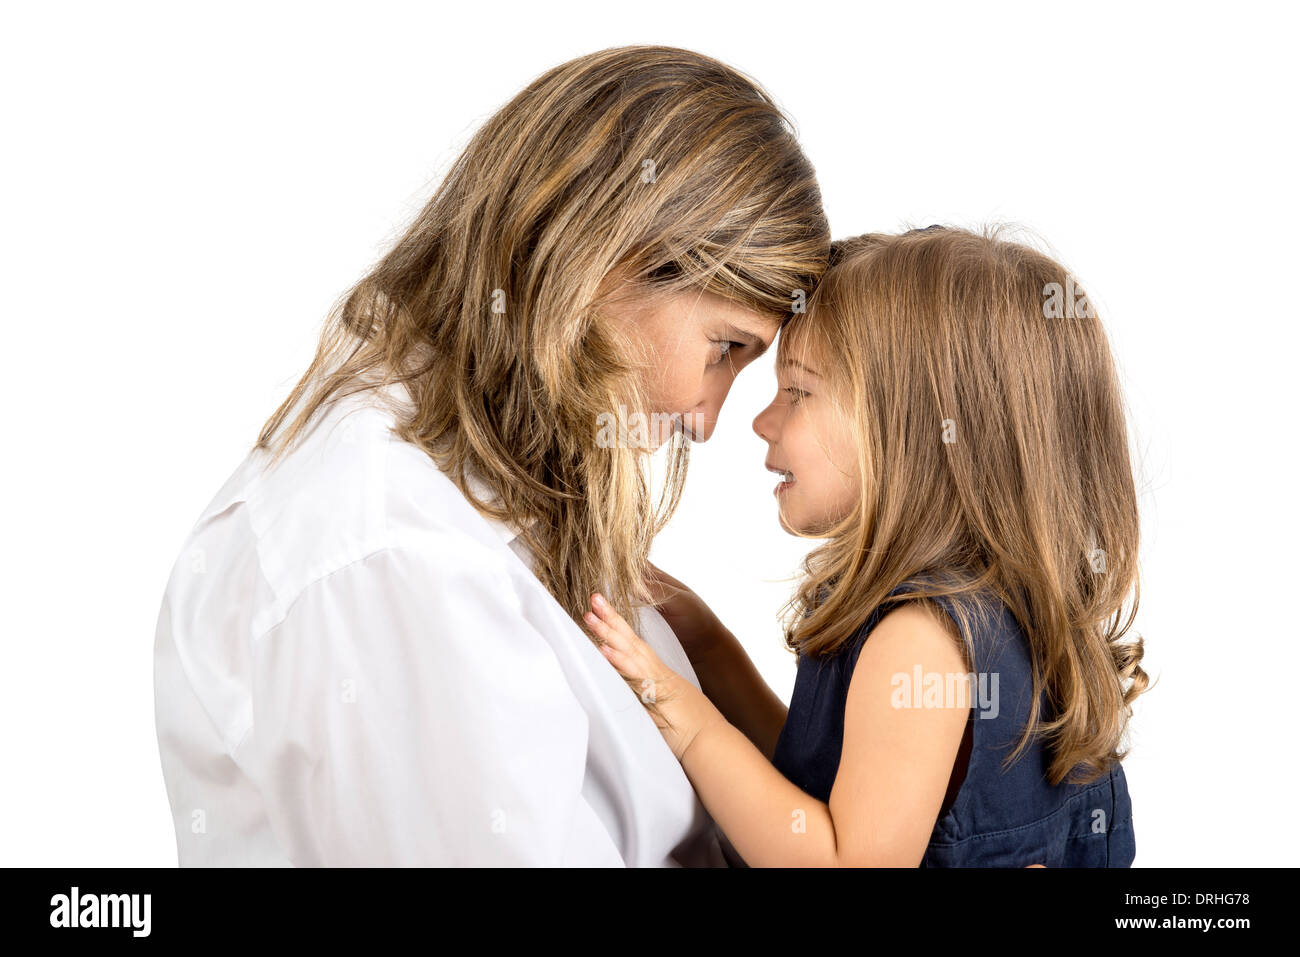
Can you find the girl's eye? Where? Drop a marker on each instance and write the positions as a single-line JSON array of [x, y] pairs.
[[795, 394], [724, 347]]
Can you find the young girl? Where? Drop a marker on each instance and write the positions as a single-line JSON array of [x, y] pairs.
[[948, 418]]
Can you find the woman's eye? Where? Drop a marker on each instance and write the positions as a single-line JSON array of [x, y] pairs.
[[795, 394], [723, 347]]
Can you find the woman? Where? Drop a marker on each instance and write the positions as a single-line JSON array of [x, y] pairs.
[[370, 650]]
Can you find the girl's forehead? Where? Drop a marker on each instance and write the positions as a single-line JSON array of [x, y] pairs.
[[798, 345]]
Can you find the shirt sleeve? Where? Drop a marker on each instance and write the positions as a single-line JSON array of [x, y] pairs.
[[407, 713]]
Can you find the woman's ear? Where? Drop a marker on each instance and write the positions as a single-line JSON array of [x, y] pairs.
[[556, 347]]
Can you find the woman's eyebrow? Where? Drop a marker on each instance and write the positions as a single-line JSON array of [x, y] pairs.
[[745, 334]]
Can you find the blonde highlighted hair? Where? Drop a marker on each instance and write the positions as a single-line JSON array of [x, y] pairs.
[[642, 169], [993, 460]]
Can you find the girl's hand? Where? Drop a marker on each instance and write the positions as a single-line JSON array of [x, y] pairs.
[[625, 650], [679, 702]]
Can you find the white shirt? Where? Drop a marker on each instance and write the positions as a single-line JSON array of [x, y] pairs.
[[353, 666]]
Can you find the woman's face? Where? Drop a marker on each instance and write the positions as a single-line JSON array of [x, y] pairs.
[[812, 445], [698, 342]]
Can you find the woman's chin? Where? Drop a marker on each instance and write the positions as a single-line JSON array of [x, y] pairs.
[[696, 426]]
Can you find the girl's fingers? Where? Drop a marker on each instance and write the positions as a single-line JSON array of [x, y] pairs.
[[615, 648], [602, 630], [622, 647], [614, 639], [613, 620], [597, 626]]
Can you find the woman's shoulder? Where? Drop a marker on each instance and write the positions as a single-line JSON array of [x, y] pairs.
[[350, 489]]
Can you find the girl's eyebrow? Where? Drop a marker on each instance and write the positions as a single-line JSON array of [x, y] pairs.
[[792, 362]]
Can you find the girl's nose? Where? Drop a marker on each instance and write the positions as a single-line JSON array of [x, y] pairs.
[[761, 426]]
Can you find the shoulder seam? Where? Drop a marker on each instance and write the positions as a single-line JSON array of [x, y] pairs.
[[284, 608]]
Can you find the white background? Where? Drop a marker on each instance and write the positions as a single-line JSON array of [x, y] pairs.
[[187, 188]]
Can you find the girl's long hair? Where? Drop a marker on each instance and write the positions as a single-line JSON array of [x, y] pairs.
[[647, 169], [994, 461]]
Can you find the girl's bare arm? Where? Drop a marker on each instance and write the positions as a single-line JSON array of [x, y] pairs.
[[893, 772]]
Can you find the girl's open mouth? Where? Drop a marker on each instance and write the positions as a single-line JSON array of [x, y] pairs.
[[787, 479]]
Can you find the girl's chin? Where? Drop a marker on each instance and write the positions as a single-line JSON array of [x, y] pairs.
[[789, 524], [795, 523]]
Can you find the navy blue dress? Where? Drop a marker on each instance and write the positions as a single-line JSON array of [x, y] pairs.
[[998, 818]]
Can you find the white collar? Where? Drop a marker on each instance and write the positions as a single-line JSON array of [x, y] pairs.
[[485, 493], [398, 393]]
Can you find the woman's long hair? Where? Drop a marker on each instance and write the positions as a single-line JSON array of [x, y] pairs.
[[647, 168], [994, 461]]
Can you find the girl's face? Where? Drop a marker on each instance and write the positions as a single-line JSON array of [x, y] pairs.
[[812, 445], [699, 343]]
